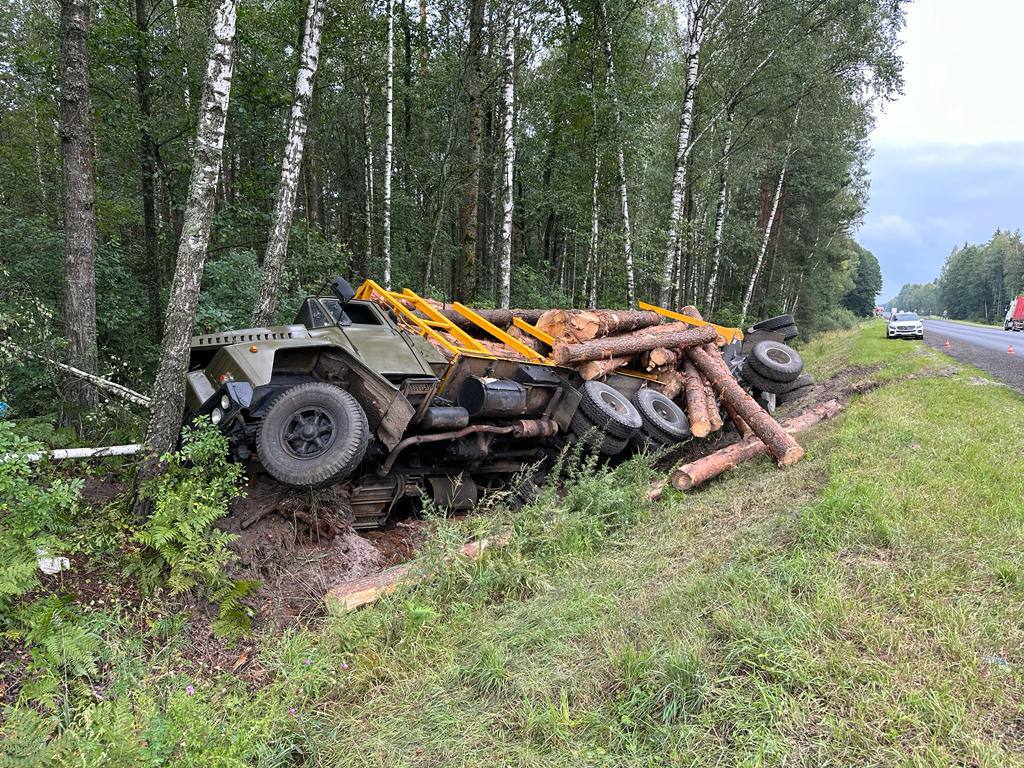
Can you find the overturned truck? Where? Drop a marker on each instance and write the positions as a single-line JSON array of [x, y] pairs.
[[389, 397]]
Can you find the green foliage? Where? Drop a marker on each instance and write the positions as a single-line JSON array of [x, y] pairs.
[[35, 516], [188, 499], [867, 282]]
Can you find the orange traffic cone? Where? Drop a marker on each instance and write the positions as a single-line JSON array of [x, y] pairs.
[[946, 344], [1009, 350]]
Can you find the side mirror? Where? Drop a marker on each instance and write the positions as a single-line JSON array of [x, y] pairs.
[[343, 290]]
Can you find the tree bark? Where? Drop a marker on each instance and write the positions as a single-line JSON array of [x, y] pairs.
[[620, 156], [598, 369], [695, 400], [569, 325], [632, 343], [79, 199], [505, 267], [696, 36], [692, 474], [291, 164], [466, 287], [367, 266], [169, 387], [594, 213], [723, 199], [389, 140], [782, 445], [763, 249]]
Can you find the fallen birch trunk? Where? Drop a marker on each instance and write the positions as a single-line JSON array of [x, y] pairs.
[[359, 592], [780, 442], [75, 453], [688, 476], [632, 343]]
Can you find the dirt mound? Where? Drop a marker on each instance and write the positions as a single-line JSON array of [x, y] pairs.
[[299, 545]]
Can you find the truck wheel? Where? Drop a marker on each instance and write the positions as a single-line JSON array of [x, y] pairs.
[[664, 421], [774, 323], [775, 361], [594, 438], [787, 333], [610, 410], [759, 382], [313, 435]]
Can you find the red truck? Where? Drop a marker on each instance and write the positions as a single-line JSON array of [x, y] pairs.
[[1014, 320]]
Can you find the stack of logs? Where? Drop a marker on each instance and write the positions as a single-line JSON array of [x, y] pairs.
[[684, 358]]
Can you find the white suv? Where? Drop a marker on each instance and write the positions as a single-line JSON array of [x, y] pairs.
[[906, 325]]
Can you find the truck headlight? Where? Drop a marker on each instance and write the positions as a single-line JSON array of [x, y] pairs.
[[217, 416], [225, 402]]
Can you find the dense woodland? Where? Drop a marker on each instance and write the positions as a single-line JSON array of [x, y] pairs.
[[545, 154], [977, 282]]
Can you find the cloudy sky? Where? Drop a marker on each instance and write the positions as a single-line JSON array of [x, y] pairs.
[[948, 163]]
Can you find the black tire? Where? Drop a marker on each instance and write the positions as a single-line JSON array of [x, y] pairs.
[[801, 381], [775, 361], [759, 382], [594, 437], [774, 323], [610, 410], [793, 395], [788, 333], [313, 435], [663, 420]]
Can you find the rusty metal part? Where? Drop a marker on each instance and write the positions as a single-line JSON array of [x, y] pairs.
[[524, 428]]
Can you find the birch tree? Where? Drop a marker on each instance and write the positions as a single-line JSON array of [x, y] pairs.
[[389, 140], [169, 388], [368, 193], [291, 165], [508, 99], [765, 238], [79, 198], [620, 156], [723, 198], [676, 200]]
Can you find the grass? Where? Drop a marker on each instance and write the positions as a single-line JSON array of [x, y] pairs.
[[861, 608]]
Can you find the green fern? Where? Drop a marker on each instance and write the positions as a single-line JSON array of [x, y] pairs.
[[188, 499]]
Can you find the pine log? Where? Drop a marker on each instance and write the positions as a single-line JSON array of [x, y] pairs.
[[533, 343], [714, 413], [780, 442], [696, 402], [741, 426], [690, 475], [572, 326], [630, 344], [499, 317], [597, 369], [671, 382], [659, 357]]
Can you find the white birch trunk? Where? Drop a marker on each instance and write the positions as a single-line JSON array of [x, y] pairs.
[[184, 66], [723, 197], [627, 230], [368, 179], [291, 164], [682, 151], [389, 141], [592, 248], [505, 267], [769, 224], [169, 388]]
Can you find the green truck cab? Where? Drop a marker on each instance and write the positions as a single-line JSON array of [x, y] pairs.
[[352, 394]]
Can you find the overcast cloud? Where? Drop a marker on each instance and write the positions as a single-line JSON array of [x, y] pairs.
[[949, 154]]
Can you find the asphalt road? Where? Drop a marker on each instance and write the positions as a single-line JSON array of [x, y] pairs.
[[985, 348]]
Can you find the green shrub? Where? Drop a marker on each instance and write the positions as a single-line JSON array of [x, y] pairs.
[[34, 517], [189, 497]]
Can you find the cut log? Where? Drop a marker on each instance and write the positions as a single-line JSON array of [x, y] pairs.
[[535, 344], [714, 413], [671, 382], [499, 317], [631, 344], [597, 369], [359, 592], [741, 426], [659, 357], [696, 403], [572, 326], [780, 442], [690, 475]]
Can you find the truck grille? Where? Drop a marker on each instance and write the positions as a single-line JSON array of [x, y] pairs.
[[248, 334]]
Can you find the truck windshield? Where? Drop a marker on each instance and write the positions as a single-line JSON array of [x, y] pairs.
[[906, 316]]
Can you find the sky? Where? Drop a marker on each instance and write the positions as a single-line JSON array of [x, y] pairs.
[[948, 164]]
